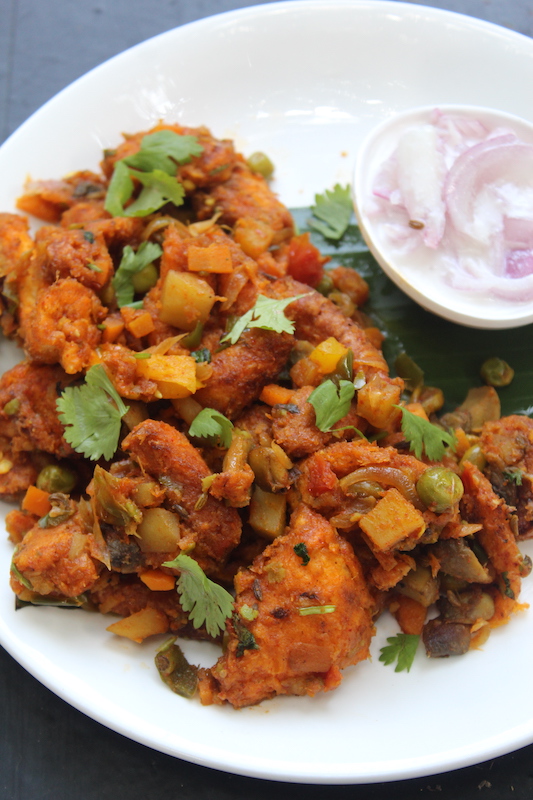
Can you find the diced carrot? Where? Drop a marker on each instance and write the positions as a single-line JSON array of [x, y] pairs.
[[418, 409], [375, 337], [410, 614], [214, 258], [157, 580], [274, 395], [43, 209], [141, 324], [36, 501], [113, 327]]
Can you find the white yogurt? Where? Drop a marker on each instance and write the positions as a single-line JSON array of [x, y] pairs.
[[444, 199]]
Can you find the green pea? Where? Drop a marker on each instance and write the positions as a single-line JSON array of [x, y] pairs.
[[259, 162], [144, 280], [440, 489], [497, 372], [55, 478], [476, 456], [325, 284], [12, 406]]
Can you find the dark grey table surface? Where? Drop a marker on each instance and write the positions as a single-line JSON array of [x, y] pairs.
[[47, 748]]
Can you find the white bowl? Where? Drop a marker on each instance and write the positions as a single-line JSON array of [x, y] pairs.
[[416, 272]]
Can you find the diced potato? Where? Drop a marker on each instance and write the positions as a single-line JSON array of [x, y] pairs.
[[159, 531], [147, 622], [392, 520], [328, 354], [186, 300], [175, 375], [376, 401], [254, 236], [268, 513]]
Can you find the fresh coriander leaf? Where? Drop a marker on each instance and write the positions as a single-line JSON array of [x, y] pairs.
[[423, 435], [332, 211], [267, 314], [206, 601], [402, 649], [246, 639], [211, 424], [513, 475], [158, 189], [131, 263], [202, 356], [308, 610], [301, 550], [331, 403], [163, 150], [119, 191], [92, 415]]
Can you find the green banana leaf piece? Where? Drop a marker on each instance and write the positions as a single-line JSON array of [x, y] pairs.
[[450, 355]]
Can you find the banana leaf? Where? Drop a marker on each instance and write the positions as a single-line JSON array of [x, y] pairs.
[[450, 355]]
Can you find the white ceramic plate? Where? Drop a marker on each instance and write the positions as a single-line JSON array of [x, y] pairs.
[[303, 81]]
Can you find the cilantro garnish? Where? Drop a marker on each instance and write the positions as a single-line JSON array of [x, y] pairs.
[[423, 435], [513, 475], [308, 610], [158, 189], [267, 314], [331, 403], [402, 649], [211, 424], [164, 150], [301, 550], [206, 601], [332, 211], [154, 166], [246, 639], [92, 415], [131, 263]]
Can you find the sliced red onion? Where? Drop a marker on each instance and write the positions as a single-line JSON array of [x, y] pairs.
[[470, 191], [421, 171]]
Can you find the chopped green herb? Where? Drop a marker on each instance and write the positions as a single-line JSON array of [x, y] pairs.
[[267, 314], [202, 356], [402, 649], [158, 189], [94, 267], [88, 236], [206, 601], [308, 610], [332, 211], [508, 592], [245, 637], [154, 166], [142, 356], [163, 150], [132, 262], [301, 550], [513, 475], [423, 435], [212, 425], [92, 415], [331, 403], [119, 191]]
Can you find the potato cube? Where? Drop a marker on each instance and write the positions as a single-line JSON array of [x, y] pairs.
[[392, 520]]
